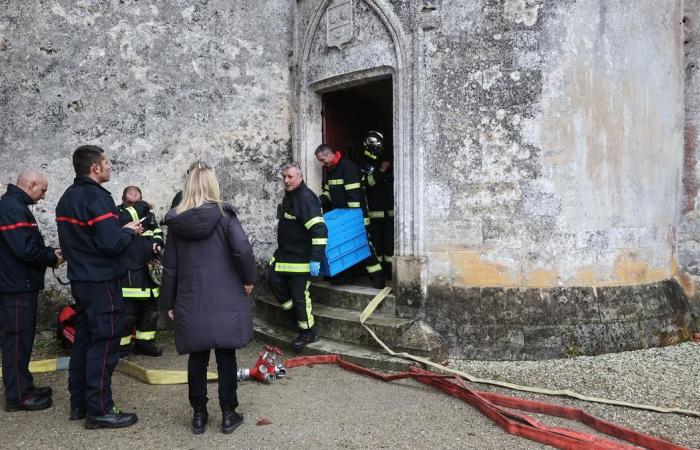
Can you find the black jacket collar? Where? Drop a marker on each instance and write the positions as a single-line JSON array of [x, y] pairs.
[[84, 179], [18, 194]]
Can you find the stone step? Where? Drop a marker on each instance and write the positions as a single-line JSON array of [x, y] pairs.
[[343, 325], [350, 297], [363, 356]]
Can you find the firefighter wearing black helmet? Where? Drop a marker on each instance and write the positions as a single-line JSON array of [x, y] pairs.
[[379, 184]]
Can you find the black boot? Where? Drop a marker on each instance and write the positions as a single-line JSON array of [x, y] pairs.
[[230, 420], [77, 413], [199, 420], [305, 338], [31, 403], [42, 391], [147, 348], [113, 419], [378, 280]]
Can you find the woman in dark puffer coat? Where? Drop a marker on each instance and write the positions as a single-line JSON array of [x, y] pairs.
[[208, 275]]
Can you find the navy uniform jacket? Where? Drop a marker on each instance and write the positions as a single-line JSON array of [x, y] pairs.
[[89, 232], [379, 186], [301, 233], [344, 188], [23, 254]]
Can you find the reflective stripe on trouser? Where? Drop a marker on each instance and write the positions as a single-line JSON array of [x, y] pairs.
[[145, 335], [18, 329], [294, 286], [381, 234], [291, 267], [371, 263], [95, 351], [144, 294], [140, 320]]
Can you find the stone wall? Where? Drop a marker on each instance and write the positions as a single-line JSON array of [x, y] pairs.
[[158, 85], [555, 134], [689, 231], [555, 143]]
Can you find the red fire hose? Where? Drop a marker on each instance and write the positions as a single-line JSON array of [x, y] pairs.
[[497, 408]]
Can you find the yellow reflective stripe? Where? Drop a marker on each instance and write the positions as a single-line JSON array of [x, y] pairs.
[[388, 259], [376, 214], [289, 216], [390, 213], [351, 186], [136, 292], [374, 268], [370, 179], [145, 335], [272, 260], [155, 292], [353, 204], [156, 234], [313, 221], [327, 194], [336, 182], [370, 155], [309, 322], [287, 305], [132, 212], [319, 241], [366, 220], [291, 267], [125, 340]]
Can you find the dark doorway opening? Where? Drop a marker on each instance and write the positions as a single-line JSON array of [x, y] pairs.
[[348, 114]]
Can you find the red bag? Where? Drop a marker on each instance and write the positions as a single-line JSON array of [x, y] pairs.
[[65, 331]]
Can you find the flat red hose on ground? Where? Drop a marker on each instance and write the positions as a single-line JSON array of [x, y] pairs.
[[494, 406]]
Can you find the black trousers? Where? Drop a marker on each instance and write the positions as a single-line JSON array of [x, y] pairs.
[[381, 234], [141, 314], [197, 378], [18, 329], [95, 352], [291, 290]]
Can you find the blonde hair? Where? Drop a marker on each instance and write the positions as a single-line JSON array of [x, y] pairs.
[[201, 186]]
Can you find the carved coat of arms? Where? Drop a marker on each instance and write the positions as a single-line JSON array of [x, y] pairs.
[[339, 24]]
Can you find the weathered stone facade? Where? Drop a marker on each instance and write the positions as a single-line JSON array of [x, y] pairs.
[[538, 144], [157, 84]]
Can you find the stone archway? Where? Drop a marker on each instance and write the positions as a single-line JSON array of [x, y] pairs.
[[341, 43]]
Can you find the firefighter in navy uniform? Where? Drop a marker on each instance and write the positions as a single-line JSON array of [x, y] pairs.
[[344, 189], [139, 291], [23, 262], [301, 244], [92, 241], [379, 181]]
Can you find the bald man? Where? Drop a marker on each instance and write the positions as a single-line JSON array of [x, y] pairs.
[[23, 261]]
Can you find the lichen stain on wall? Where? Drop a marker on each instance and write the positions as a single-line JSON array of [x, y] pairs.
[[472, 268]]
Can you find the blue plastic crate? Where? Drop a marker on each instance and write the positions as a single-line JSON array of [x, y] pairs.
[[347, 240]]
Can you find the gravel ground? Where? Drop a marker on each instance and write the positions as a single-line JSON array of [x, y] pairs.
[[327, 407], [666, 377]]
